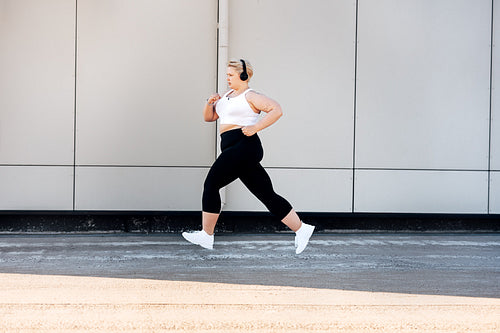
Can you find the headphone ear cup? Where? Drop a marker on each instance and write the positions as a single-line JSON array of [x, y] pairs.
[[244, 74]]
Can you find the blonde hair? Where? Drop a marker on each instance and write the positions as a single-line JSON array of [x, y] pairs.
[[238, 66]]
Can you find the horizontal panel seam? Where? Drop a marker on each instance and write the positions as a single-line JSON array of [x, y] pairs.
[[267, 167]]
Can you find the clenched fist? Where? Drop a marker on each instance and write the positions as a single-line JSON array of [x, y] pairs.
[[249, 130], [213, 99]]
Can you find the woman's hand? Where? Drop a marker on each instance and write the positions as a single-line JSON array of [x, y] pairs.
[[213, 99], [209, 113], [249, 130]]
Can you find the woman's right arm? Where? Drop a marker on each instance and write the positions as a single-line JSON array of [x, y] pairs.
[[209, 113]]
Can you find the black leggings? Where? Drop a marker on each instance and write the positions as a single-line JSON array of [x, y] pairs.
[[240, 158]]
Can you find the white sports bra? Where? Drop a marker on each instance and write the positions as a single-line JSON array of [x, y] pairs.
[[236, 110]]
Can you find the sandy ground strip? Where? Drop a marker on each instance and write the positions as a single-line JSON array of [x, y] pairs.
[[47, 303]]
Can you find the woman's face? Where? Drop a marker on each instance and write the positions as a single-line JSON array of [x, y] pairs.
[[233, 78]]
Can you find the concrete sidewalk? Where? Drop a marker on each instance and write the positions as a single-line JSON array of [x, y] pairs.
[[250, 283], [440, 264]]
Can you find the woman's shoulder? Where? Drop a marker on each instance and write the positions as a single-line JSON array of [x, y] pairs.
[[251, 93]]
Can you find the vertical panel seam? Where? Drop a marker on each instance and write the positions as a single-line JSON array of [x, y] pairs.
[[492, 31], [355, 104], [74, 107], [216, 70]]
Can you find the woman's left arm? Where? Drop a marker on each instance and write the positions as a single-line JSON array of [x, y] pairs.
[[262, 103]]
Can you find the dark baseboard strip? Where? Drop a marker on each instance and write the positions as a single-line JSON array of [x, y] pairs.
[[238, 222]]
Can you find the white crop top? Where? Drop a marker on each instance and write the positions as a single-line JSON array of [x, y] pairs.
[[236, 110]]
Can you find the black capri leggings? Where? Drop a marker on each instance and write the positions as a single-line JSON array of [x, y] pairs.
[[240, 158]]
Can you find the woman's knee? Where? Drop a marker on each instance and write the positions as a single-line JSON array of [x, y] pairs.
[[211, 201], [209, 189], [276, 204]]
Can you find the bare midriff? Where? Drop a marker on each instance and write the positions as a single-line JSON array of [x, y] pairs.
[[228, 127]]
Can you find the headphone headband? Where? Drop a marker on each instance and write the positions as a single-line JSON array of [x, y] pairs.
[[244, 74]]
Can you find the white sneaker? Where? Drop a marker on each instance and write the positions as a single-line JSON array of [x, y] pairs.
[[302, 237], [200, 238]]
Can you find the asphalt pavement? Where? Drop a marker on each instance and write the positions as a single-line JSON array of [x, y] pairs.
[[413, 263]]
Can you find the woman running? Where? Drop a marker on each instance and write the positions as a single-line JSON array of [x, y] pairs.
[[239, 114]]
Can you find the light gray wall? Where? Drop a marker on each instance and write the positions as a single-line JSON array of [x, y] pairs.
[[304, 58], [422, 120], [37, 66], [143, 73], [387, 103]]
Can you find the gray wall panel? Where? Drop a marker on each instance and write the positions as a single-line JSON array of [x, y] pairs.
[[303, 55], [421, 191], [309, 190], [139, 188], [37, 44], [36, 188], [144, 71], [423, 84], [495, 193]]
